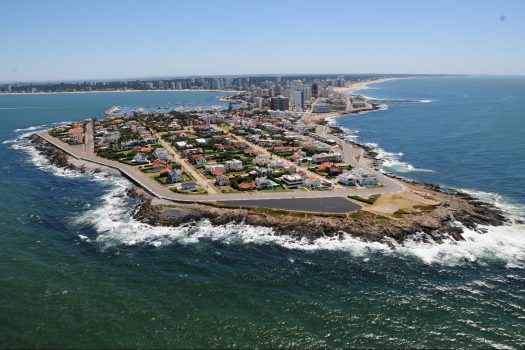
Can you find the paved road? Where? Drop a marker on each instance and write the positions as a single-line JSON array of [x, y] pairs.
[[202, 181], [349, 156], [162, 192]]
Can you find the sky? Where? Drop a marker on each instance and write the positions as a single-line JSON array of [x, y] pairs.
[[113, 39]]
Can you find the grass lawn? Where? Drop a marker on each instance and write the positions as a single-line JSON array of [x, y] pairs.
[[197, 190], [369, 200], [277, 189], [226, 127], [228, 189], [162, 180]]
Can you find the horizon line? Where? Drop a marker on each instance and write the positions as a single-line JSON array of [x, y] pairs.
[[160, 77]]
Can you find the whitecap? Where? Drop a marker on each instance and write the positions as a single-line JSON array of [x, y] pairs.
[[114, 225], [39, 160], [391, 162]]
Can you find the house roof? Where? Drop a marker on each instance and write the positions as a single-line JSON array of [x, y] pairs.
[[217, 171], [246, 186], [325, 165]]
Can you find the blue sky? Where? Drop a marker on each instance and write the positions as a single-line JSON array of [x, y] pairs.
[[95, 39]]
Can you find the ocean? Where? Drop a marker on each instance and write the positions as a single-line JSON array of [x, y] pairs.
[[76, 270]]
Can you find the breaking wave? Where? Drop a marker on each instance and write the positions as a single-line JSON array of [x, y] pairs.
[[36, 158], [391, 162], [112, 219]]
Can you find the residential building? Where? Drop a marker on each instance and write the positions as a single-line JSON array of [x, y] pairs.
[[280, 103], [233, 165], [261, 160], [298, 100], [368, 180], [175, 175], [348, 179], [215, 169], [276, 164], [312, 182], [198, 159], [263, 183], [161, 154], [188, 185], [327, 157], [321, 108], [292, 181], [140, 158], [222, 180]]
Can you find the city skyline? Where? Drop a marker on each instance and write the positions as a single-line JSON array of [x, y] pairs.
[[58, 40]]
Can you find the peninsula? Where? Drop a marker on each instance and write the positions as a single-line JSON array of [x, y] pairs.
[[274, 161]]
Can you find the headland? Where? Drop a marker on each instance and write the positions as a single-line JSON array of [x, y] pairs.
[[288, 170]]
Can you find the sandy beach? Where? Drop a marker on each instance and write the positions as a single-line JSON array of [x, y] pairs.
[[349, 88]]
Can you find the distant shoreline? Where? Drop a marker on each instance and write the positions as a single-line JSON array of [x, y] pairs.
[[114, 91]]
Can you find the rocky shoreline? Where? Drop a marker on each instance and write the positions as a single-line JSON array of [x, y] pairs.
[[428, 223]]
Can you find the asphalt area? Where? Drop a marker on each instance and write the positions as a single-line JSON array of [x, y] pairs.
[[319, 205]]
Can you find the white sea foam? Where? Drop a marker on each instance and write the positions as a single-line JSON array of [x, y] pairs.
[[115, 225], [505, 243], [113, 222], [31, 128], [34, 156], [392, 161], [42, 162]]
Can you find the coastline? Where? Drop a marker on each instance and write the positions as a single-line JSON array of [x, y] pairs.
[[441, 215], [349, 89]]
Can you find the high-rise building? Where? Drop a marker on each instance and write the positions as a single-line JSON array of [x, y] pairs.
[[280, 103], [315, 89], [307, 93], [259, 101], [340, 81], [298, 100]]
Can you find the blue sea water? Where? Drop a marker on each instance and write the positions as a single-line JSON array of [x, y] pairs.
[[76, 270], [466, 132]]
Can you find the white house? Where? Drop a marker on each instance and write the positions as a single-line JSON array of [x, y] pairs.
[[327, 157], [181, 144], [233, 165], [276, 164], [140, 158], [292, 181], [264, 183], [201, 142], [348, 179], [368, 180]]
